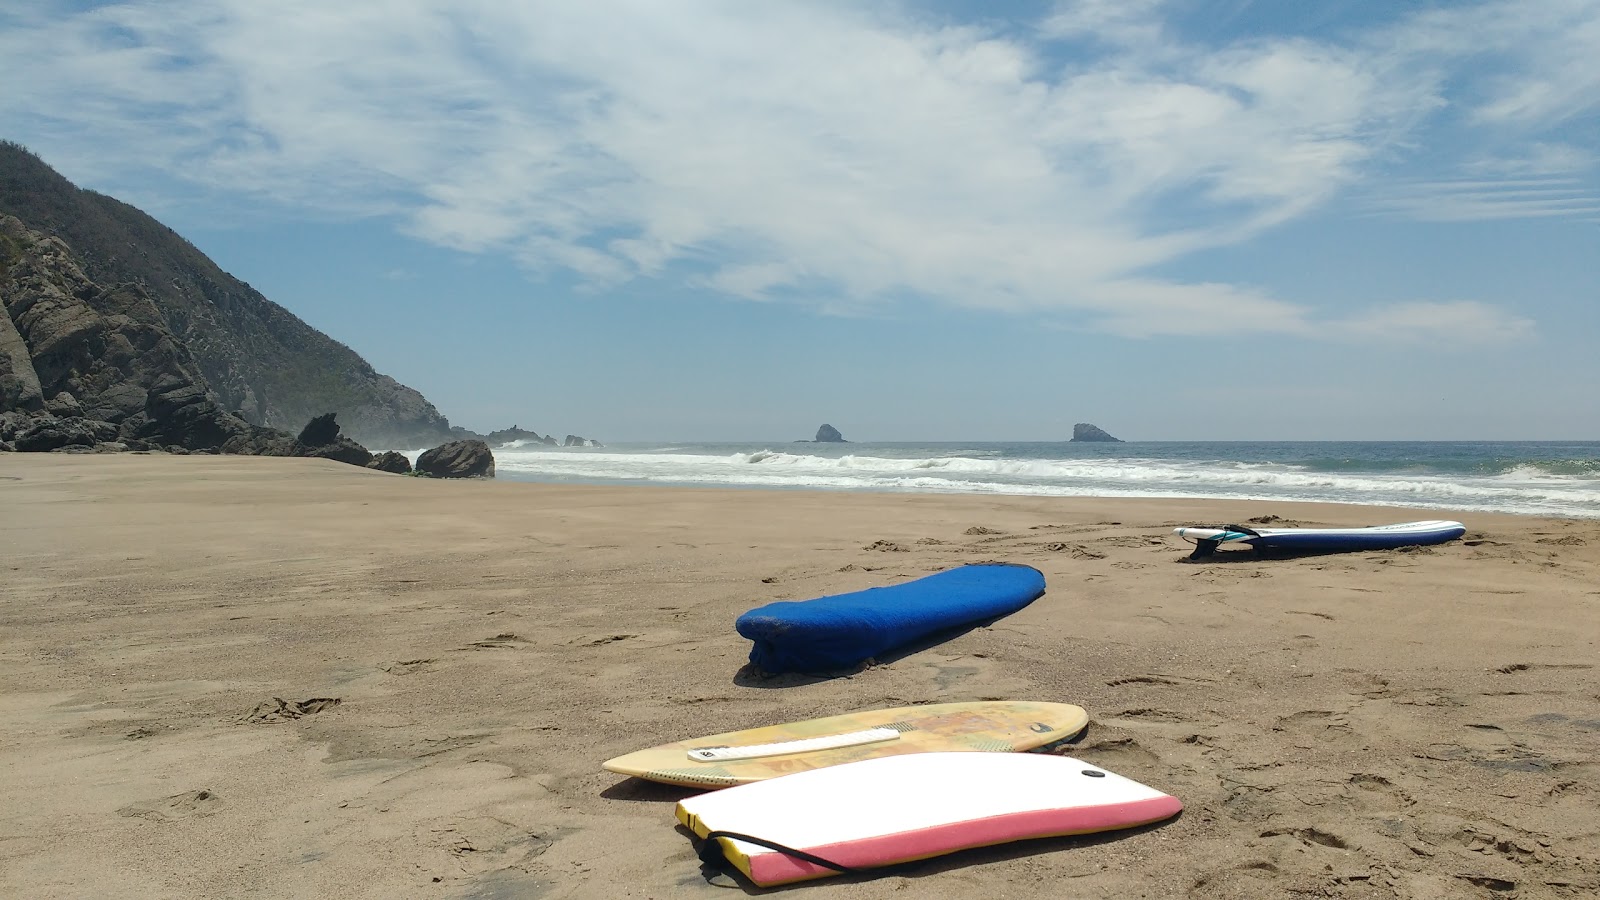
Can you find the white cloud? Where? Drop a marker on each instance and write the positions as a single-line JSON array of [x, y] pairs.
[[1487, 200], [777, 151], [1453, 323]]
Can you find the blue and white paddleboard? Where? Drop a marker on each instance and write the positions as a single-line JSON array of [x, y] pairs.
[[1324, 540]]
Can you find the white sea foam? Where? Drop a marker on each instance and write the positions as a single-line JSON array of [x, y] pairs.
[[1523, 489]]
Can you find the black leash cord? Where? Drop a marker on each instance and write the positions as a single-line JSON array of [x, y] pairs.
[[711, 851]]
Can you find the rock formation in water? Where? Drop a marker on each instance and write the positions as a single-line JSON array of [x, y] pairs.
[[576, 441], [1085, 432], [517, 433], [828, 434]]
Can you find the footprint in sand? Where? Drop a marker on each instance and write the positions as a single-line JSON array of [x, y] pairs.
[[177, 806], [481, 844], [280, 710], [1376, 794], [1119, 754], [1313, 727]]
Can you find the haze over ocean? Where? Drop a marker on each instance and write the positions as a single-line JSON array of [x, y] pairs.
[[1527, 477]]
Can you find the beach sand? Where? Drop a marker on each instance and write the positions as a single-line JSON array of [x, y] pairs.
[[1415, 723]]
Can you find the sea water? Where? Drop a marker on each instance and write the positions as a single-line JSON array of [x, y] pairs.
[[1538, 478]]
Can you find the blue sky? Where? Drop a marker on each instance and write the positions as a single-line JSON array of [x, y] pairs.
[[1180, 220]]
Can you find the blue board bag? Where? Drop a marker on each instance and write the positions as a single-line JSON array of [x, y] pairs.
[[841, 631]]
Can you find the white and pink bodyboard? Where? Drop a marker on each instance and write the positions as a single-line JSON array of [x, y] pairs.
[[895, 809]]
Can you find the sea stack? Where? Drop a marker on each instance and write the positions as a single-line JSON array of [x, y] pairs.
[[1086, 432], [828, 434]]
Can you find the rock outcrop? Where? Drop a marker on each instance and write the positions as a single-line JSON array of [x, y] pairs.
[[516, 433], [457, 459], [828, 434], [101, 354], [576, 441], [1086, 432], [391, 461], [257, 361]]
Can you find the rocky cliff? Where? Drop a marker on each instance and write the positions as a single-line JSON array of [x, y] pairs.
[[254, 359]]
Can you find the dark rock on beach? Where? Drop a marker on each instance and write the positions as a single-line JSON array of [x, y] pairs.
[[457, 459], [46, 433], [320, 431], [391, 461], [1085, 432]]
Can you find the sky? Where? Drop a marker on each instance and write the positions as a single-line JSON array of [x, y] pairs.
[[730, 221]]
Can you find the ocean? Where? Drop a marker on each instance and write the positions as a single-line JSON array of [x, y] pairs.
[[1550, 478]]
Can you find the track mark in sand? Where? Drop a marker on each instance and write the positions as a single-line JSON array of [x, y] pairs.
[[280, 710], [1559, 719], [1570, 540], [406, 666], [1159, 678], [608, 639], [1117, 753], [1528, 667], [1078, 550], [945, 677], [481, 844], [502, 641], [1130, 565], [1490, 882], [1311, 836], [1316, 724], [1140, 679], [1320, 615], [1476, 841], [1368, 788], [979, 529], [886, 547], [1149, 714], [177, 806]]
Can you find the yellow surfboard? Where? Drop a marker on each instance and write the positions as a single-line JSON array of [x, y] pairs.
[[756, 754]]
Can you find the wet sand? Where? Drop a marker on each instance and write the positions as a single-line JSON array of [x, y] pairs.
[[243, 677]]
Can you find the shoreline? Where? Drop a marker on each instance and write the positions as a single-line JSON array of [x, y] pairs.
[[1395, 723]]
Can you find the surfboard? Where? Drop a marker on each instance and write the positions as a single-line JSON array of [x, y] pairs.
[[840, 631], [756, 754], [879, 812], [1324, 540]]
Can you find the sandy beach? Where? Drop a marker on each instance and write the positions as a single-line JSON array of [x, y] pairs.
[[255, 677]]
